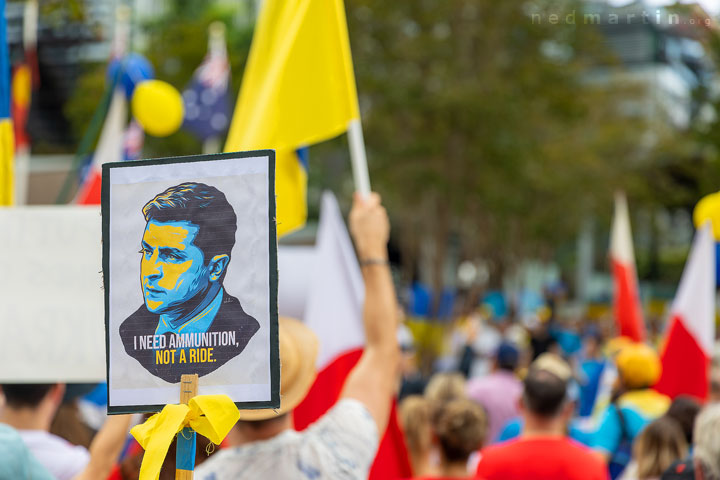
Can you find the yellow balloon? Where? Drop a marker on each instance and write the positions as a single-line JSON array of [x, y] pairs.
[[158, 107], [22, 85], [708, 208]]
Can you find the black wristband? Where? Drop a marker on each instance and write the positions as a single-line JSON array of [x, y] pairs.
[[365, 262]]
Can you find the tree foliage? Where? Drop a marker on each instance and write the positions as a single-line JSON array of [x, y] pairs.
[[485, 129], [484, 124]]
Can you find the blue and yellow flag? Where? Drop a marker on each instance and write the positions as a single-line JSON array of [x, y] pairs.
[[298, 89], [7, 142]]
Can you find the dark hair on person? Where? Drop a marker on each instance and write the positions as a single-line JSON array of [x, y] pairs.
[[544, 392], [684, 409], [25, 395], [460, 427], [507, 357], [201, 205]]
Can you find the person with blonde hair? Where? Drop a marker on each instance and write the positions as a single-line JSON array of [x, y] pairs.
[[444, 387], [705, 461], [460, 429], [414, 416], [658, 445]]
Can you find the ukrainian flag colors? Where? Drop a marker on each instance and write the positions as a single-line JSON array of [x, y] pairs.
[[7, 142]]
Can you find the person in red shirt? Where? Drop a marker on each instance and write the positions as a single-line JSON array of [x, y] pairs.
[[543, 451]]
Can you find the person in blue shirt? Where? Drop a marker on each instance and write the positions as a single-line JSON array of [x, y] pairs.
[[634, 405], [592, 367]]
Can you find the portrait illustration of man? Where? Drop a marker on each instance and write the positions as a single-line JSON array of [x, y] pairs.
[[188, 323]]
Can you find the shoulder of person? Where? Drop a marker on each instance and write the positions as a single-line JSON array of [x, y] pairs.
[[590, 458], [138, 319], [221, 462], [62, 458], [347, 434], [346, 411], [500, 451], [231, 315], [647, 400], [232, 306]]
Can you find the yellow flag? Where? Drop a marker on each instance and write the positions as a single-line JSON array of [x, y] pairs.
[[291, 192], [7, 151], [298, 89]]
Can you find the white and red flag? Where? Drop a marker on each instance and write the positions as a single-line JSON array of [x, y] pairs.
[[691, 329], [323, 285], [626, 293], [110, 146], [109, 149]]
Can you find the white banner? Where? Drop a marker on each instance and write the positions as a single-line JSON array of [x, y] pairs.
[[51, 305]]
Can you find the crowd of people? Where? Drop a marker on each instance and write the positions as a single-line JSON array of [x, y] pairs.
[[529, 422], [514, 402]]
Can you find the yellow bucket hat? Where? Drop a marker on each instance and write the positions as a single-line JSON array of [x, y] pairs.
[[638, 365]]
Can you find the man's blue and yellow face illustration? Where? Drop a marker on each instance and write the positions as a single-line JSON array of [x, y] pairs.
[[172, 269]]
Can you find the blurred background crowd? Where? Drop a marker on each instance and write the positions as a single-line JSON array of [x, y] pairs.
[[514, 143]]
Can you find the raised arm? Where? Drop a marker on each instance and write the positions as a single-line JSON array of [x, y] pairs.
[[106, 448], [373, 379]]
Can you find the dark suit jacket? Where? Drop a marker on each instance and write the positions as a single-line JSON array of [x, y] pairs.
[[229, 318]]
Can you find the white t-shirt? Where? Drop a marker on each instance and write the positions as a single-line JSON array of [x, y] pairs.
[[61, 458], [340, 445]]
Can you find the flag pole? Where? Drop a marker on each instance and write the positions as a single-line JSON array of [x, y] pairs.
[[216, 46], [186, 438], [358, 157], [22, 153]]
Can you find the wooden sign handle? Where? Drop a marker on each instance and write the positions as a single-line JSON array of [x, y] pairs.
[[185, 454]]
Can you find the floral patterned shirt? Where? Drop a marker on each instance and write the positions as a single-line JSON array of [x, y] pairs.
[[340, 445]]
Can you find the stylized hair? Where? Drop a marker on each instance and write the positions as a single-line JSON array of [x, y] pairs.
[[201, 205]]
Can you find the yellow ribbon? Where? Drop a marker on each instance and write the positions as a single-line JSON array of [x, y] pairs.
[[211, 416]]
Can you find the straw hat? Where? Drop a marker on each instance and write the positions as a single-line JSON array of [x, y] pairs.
[[298, 353], [554, 364]]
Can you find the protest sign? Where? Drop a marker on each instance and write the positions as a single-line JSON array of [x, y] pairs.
[[190, 276], [52, 301]]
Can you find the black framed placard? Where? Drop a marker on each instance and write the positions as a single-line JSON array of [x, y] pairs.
[[190, 277]]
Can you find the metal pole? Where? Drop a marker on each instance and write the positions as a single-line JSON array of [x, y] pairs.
[[358, 158]]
